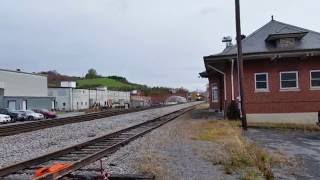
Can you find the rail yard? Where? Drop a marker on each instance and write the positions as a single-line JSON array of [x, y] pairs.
[[159, 90], [79, 143]]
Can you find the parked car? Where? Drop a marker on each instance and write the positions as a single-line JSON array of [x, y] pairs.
[[31, 115], [14, 115], [5, 118], [46, 113]]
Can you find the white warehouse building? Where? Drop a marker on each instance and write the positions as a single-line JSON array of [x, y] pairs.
[[22, 90], [118, 98], [73, 99], [69, 98]]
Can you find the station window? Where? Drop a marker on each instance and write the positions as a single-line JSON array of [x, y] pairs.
[[215, 94], [315, 79], [289, 80], [261, 81]]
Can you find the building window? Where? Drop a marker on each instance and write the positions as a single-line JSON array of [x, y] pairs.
[[289, 80], [215, 94], [315, 79], [261, 81]]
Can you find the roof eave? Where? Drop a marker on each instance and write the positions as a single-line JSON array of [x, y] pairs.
[[257, 55]]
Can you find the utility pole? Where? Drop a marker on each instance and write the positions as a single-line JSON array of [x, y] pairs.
[[240, 67]]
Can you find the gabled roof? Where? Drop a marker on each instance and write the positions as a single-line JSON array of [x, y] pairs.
[[256, 42]]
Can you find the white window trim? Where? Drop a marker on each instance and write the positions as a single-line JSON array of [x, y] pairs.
[[290, 88], [267, 81], [313, 87]]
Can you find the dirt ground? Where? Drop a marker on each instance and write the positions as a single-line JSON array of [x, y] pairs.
[[175, 151], [168, 152]]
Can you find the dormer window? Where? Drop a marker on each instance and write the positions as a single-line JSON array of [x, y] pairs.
[[286, 43], [288, 40]]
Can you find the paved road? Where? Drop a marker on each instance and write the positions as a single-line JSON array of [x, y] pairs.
[[302, 145]]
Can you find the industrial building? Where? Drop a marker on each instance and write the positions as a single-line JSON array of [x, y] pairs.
[[118, 98], [22, 90], [69, 98], [73, 99]]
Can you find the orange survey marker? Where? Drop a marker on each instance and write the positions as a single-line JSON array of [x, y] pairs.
[[51, 169]]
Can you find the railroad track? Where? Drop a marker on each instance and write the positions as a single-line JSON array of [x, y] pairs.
[[83, 154], [13, 129]]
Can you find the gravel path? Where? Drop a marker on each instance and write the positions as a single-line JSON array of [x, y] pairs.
[[168, 152], [29, 145]]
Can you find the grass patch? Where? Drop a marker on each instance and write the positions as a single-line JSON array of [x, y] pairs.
[[110, 83], [237, 155]]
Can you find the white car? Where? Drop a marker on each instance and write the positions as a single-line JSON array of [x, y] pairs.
[[31, 115], [4, 118]]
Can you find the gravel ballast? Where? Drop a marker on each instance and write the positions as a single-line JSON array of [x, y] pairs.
[[30, 145], [167, 152]]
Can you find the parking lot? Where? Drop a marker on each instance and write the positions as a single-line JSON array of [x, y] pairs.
[[304, 147], [60, 115]]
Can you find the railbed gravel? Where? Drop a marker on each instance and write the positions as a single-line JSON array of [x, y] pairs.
[[30, 145], [174, 155]]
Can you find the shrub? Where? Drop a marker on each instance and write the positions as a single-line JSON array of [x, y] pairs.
[[233, 111]]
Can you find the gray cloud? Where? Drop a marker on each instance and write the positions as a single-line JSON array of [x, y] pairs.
[[150, 42]]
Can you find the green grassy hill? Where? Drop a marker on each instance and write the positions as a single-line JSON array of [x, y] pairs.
[[110, 83]]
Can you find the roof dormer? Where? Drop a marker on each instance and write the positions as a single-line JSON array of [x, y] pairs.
[[287, 40]]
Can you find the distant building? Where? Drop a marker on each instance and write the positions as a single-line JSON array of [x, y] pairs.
[[69, 98], [72, 99], [22, 90], [71, 84], [161, 98], [64, 98], [137, 99], [281, 75], [118, 98]]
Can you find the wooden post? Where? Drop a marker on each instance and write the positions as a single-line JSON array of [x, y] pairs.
[[240, 67]]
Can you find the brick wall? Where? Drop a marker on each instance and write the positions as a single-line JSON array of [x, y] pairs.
[[276, 101], [304, 100]]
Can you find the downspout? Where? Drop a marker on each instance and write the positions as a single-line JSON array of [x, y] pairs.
[[225, 90], [232, 85]]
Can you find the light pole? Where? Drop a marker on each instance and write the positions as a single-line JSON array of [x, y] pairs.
[[240, 67]]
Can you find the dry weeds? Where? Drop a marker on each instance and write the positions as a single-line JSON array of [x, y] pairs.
[[236, 154], [226, 147]]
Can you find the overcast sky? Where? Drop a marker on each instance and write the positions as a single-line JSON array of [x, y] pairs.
[[153, 42]]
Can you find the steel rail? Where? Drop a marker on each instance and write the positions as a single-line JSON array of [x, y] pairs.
[[83, 154]]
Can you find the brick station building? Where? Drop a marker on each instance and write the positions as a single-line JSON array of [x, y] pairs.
[[281, 75]]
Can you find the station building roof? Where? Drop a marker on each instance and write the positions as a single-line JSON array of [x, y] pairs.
[[261, 41]]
